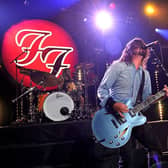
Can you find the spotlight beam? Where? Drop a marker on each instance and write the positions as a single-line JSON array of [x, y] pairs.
[[103, 20]]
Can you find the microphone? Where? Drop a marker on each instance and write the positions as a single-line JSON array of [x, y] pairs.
[[151, 44]]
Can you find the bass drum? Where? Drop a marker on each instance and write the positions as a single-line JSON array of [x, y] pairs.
[[58, 106]]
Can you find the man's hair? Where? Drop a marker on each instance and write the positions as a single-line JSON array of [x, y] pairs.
[[129, 51]]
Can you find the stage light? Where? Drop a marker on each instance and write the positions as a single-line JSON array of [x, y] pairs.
[[103, 20], [85, 19], [112, 5], [160, 108], [26, 2], [160, 105], [156, 30], [150, 9], [162, 32]]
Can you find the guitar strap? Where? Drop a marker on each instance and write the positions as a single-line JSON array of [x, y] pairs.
[[139, 96]]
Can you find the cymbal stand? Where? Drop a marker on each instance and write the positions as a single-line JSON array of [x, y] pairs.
[[80, 89], [31, 113], [23, 118], [18, 115], [23, 94], [86, 103], [30, 91]]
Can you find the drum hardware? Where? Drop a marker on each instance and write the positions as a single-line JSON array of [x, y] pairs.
[[23, 94], [58, 106], [22, 115], [15, 60], [20, 107], [32, 118], [79, 75], [85, 77], [74, 91], [84, 66], [40, 100], [64, 111], [28, 92], [77, 113], [82, 72], [40, 78]]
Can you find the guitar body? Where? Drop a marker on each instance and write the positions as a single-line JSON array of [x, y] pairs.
[[114, 132]]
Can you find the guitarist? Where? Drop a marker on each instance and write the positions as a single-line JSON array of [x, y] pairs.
[[121, 82]]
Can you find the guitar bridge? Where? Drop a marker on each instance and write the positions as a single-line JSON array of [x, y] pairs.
[[121, 120], [132, 114]]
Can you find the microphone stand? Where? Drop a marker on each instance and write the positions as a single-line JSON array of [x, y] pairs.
[[158, 61]]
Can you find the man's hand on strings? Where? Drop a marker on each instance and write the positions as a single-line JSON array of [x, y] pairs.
[[120, 108]]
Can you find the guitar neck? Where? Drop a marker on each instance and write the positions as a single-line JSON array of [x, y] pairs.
[[148, 101]]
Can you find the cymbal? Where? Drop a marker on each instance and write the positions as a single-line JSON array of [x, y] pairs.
[[84, 66], [44, 79]]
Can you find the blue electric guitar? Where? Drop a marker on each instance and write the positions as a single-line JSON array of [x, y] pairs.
[[113, 131]]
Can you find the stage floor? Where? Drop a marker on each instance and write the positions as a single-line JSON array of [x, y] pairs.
[[68, 144]]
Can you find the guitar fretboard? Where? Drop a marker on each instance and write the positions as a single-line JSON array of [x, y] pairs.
[[148, 101]]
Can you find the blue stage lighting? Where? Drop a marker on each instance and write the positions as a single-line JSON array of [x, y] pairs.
[[156, 30], [163, 32]]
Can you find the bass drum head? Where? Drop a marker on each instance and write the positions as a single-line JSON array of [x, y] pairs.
[[58, 106]]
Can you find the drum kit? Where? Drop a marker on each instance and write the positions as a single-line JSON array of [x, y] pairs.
[[69, 101]]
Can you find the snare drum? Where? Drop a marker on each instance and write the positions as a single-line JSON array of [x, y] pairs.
[[58, 106]]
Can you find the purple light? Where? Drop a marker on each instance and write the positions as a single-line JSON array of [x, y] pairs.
[[85, 19], [156, 159], [104, 20], [156, 30]]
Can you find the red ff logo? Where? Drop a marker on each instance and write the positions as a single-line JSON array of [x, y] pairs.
[[40, 45]]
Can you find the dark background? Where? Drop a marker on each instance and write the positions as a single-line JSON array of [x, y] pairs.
[[93, 46]]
